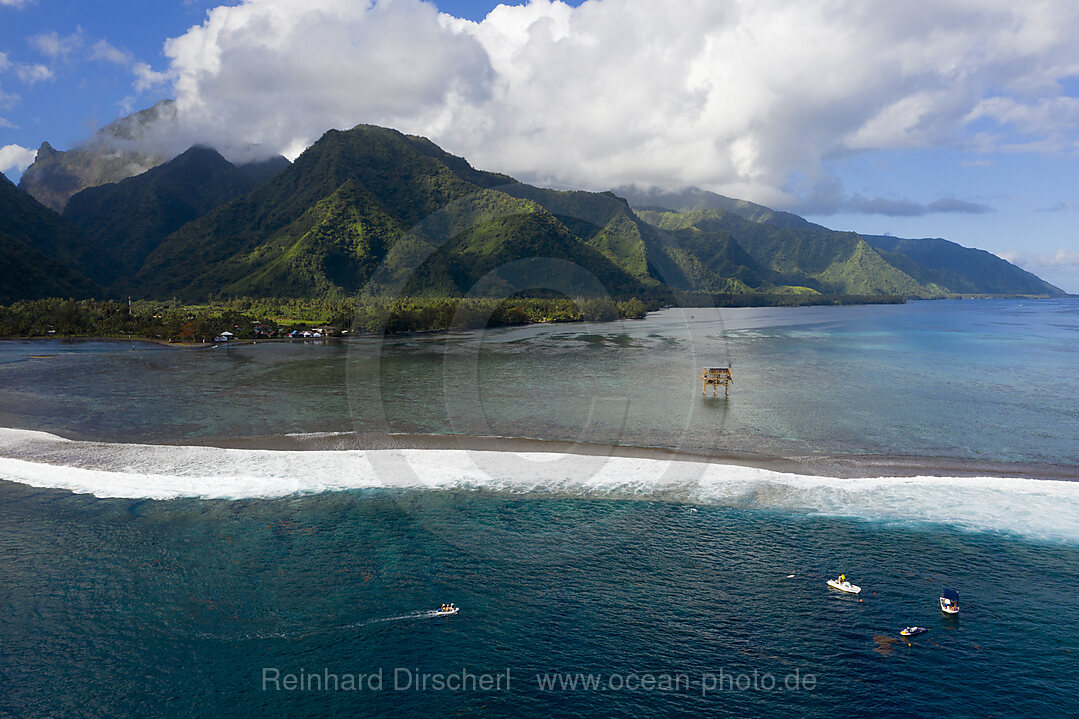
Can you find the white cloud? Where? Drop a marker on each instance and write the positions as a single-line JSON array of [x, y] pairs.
[[146, 78], [1060, 267], [15, 3], [1048, 124], [1063, 257], [739, 96], [16, 157], [31, 74], [7, 99], [105, 51], [58, 46]]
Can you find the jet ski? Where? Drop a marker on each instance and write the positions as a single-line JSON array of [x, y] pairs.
[[912, 631], [843, 585]]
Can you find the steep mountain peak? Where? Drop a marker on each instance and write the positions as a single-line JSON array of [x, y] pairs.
[[363, 201], [108, 156], [126, 220], [134, 127]]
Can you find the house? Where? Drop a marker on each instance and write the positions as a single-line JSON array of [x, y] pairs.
[[225, 336]]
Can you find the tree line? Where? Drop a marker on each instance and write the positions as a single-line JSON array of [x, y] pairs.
[[250, 318]]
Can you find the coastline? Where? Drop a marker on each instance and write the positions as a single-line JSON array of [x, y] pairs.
[[114, 338]]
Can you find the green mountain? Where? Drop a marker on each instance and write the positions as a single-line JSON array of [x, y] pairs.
[[125, 221], [767, 256], [112, 154], [793, 251], [606, 223], [694, 198], [374, 210], [39, 252], [963, 270], [371, 208]]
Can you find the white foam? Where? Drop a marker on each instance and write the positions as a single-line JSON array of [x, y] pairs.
[[1042, 509]]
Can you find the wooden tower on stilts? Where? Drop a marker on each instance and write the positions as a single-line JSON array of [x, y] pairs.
[[714, 377]]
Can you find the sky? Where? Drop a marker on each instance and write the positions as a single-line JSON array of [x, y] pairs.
[[927, 118]]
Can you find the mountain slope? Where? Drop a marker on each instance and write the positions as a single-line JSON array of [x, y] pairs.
[[126, 220], [606, 223], [962, 270], [39, 252], [939, 266], [826, 261], [369, 208]]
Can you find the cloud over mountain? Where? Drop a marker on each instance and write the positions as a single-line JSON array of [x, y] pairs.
[[746, 97]]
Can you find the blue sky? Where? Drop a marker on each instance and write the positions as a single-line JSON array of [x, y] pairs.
[[931, 119]]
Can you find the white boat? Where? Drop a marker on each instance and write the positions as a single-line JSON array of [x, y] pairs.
[[912, 631], [447, 612], [843, 585], [949, 601]]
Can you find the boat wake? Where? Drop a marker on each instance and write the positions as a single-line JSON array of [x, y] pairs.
[[427, 614], [303, 633], [1033, 508]]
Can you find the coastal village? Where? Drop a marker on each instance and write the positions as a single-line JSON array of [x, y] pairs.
[[273, 332]]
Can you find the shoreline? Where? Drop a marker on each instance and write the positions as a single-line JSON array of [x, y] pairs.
[[867, 302], [111, 338]]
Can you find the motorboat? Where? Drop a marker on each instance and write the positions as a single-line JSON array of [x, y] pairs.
[[447, 610], [949, 601], [912, 631], [843, 585]]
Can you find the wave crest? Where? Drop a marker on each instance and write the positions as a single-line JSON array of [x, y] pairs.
[[1033, 508]]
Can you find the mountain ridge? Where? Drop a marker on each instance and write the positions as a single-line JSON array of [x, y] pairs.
[[126, 220], [361, 207], [112, 154], [941, 267], [373, 210]]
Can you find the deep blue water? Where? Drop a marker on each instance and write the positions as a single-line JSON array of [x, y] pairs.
[[128, 606]]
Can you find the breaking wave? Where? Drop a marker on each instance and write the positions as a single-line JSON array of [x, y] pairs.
[[1033, 508]]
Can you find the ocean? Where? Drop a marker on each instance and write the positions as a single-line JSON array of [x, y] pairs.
[[264, 530]]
